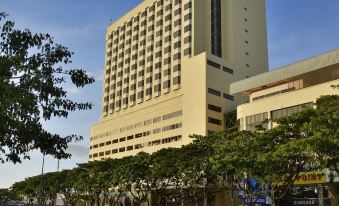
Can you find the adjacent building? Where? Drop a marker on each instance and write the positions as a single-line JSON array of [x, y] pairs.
[[286, 90], [169, 65]]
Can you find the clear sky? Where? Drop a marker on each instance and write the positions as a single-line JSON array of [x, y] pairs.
[[297, 29]]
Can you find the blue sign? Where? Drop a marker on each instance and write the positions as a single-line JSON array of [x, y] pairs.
[[261, 200]]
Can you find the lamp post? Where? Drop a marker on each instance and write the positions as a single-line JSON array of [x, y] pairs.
[[319, 190], [41, 190]]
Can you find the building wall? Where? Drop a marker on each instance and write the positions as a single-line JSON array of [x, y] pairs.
[[161, 62], [293, 98]]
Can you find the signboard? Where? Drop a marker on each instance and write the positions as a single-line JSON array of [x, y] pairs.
[[308, 178], [261, 200], [303, 202]]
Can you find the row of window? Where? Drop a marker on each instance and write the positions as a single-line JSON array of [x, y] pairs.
[[138, 135], [117, 59], [273, 94], [137, 146], [217, 66], [291, 86], [258, 119], [218, 93], [139, 124]]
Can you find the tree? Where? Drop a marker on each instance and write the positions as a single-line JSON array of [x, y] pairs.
[[5, 196], [324, 125], [71, 189], [27, 189], [235, 161], [31, 89], [304, 141]]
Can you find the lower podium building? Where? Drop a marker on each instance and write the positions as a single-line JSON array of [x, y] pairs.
[[286, 90]]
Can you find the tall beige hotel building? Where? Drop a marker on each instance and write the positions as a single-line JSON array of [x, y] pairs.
[[169, 64]]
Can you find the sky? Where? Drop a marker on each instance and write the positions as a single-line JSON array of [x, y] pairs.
[[297, 29]]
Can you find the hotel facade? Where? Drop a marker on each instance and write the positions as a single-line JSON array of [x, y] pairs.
[[169, 65]]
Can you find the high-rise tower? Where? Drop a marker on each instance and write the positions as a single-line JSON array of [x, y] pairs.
[[169, 64]]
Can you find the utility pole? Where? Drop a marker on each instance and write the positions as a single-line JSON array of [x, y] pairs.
[[40, 191], [321, 195]]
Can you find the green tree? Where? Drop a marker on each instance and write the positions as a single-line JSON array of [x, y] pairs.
[[324, 125], [31, 90], [27, 189], [5, 196], [71, 189]]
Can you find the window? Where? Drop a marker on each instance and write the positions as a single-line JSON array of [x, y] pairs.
[[177, 68], [177, 12], [157, 88], [167, 72], [156, 131], [188, 5], [108, 152], [228, 70], [177, 44], [176, 80], [115, 141], [168, 7], [129, 148], [276, 114], [168, 17], [188, 39], [187, 52], [138, 146], [213, 64], [122, 139], [122, 149], [228, 97], [167, 84], [149, 91], [172, 115], [177, 33], [214, 121], [147, 122], [214, 92], [255, 120], [187, 28], [114, 151], [214, 108], [187, 17], [147, 133], [156, 119], [216, 33], [138, 135], [172, 127]]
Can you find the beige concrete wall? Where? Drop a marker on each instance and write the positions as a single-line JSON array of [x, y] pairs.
[[194, 98], [297, 97], [254, 41]]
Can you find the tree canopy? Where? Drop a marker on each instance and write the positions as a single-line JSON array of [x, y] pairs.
[[32, 80], [263, 162]]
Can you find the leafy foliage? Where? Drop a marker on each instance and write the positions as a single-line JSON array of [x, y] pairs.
[[266, 162], [31, 84]]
